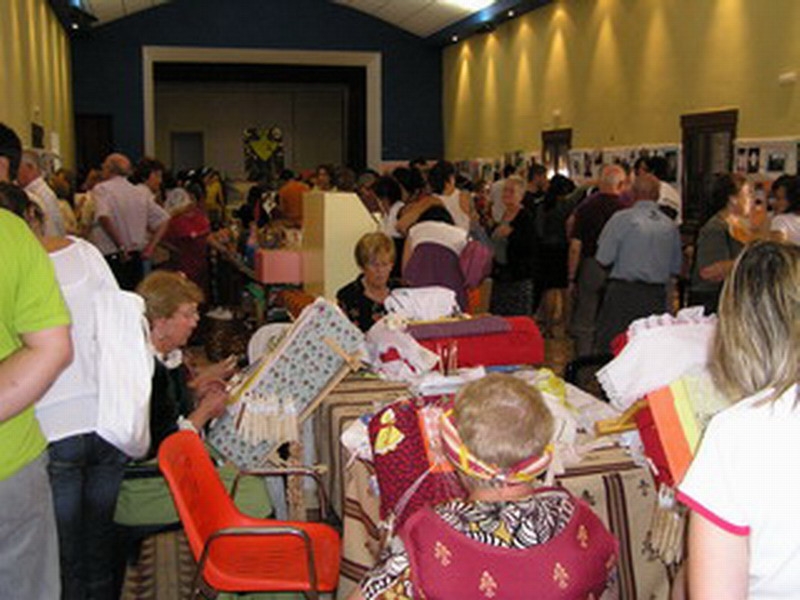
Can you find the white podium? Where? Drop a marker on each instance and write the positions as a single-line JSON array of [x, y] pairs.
[[332, 224]]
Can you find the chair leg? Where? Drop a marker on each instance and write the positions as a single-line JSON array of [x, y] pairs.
[[204, 592], [311, 595], [200, 589]]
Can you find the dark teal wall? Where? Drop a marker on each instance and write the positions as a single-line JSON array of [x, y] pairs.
[[107, 61]]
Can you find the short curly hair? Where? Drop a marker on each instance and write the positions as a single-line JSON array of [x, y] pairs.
[[165, 291], [502, 420]]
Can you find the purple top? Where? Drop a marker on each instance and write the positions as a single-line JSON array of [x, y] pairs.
[[434, 264], [590, 218]]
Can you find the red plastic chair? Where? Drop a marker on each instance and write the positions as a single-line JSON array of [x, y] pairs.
[[237, 553]]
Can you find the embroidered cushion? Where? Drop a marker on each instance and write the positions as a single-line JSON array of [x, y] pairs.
[[411, 470], [574, 564]]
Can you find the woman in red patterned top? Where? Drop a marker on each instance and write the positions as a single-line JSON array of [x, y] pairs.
[[508, 540]]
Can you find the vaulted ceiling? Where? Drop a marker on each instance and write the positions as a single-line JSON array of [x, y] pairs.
[[421, 17], [109, 10]]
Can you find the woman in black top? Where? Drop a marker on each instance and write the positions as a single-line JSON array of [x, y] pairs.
[[551, 279], [362, 299], [514, 239]]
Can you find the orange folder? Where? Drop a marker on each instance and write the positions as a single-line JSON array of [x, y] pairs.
[[670, 431]]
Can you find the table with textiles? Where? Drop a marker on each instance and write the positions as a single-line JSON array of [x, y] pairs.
[[619, 491]]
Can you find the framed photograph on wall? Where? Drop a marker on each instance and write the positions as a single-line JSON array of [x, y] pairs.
[[741, 160], [776, 162], [753, 159]]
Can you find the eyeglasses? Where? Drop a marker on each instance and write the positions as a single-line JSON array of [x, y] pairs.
[[189, 313], [380, 264]]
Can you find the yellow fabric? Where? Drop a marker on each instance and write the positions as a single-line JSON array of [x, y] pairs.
[[683, 406]]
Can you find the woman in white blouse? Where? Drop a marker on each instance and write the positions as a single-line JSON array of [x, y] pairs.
[[85, 469], [743, 485]]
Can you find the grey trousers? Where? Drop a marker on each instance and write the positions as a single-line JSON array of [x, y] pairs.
[[590, 281], [623, 303], [28, 538]]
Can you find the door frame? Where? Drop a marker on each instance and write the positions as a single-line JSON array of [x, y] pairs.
[[705, 122], [556, 137]]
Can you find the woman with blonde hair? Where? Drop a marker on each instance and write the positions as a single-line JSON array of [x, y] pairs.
[[178, 401], [742, 487], [508, 539], [362, 299]]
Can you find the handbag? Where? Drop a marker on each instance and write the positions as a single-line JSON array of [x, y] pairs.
[[125, 371], [476, 263]]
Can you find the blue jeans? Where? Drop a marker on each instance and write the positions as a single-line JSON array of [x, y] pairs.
[[85, 475]]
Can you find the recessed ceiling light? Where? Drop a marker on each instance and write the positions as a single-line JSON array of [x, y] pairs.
[[473, 5], [511, 13], [75, 26], [454, 38]]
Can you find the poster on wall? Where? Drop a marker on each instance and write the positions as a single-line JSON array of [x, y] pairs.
[[776, 162], [263, 155], [753, 159], [575, 164], [770, 156], [585, 164], [741, 160], [779, 156]]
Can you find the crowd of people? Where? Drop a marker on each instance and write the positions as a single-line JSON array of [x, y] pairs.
[[543, 233], [62, 479], [591, 257], [562, 254]]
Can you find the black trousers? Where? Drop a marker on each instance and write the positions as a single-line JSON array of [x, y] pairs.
[[624, 302], [129, 273]]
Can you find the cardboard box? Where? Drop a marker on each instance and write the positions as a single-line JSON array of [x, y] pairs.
[[279, 266]]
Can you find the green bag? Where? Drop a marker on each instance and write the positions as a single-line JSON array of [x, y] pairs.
[[144, 497]]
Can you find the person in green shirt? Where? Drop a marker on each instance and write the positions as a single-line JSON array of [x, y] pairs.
[[34, 348]]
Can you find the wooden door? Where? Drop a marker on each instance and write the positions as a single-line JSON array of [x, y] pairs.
[[707, 152], [556, 145], [94, 140]]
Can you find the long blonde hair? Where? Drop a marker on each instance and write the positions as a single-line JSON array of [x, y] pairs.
[[757, 345]]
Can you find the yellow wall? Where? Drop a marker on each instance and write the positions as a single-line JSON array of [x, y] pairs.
[[621, 72], [35, 73]]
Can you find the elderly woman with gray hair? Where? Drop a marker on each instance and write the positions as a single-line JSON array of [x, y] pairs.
[[514, 240], [497, 438]]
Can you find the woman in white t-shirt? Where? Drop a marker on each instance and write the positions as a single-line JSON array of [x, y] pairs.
[[786, 226], [743, 485]]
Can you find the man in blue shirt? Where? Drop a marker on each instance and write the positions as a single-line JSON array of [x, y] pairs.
[[642, 246]]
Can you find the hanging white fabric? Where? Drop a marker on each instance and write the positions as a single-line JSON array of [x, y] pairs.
[[125, 371]]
